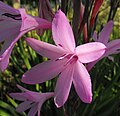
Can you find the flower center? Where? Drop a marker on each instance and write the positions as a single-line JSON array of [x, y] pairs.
[[71, 58]]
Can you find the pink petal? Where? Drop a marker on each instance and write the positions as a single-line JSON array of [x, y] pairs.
[[43, 72], [18, 96], [38, 97], [90, 52], [6, 51], [45, 49], [92, 64], [35, 96], [33, 110], [5, 54], [33, 100], [4, 59], [24, 106], [37, 107], [12, 34], [111, 58], [22, 88], [30, 22], [82, 83], [41, 98], [63, 86], [8, 25], [62, 32], [95, 36], [113, 47], [31, 95], [7, 9], [105, 33], [8, 30]]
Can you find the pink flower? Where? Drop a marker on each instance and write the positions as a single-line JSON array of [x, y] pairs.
[[66, 60], [13, 24], [113, 47], [30, 100]]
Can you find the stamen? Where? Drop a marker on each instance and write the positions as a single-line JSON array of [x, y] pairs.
[[71, 59], [15, 17], [63, 56]]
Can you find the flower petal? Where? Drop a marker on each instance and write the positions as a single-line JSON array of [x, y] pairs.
[[63, 86], [6, 51], [39, 98], [30, 22], [92, 64], [4, 58], [62, 32], [18, 96], [8, 25], [4, 8], [8, 30], [95, 36], [13, 33], [113, 47], [90, 52], [33, 110], [22, 88], [45, 49], [82, 83], [43, 72], [24, 106], [105, 33]]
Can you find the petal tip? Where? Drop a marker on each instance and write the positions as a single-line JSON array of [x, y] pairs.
[[59, 13], [2, 69], [87, 100], [2, 66], [27, 39], [111, 22], [11, 95], [24, 79], [57, 104]]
